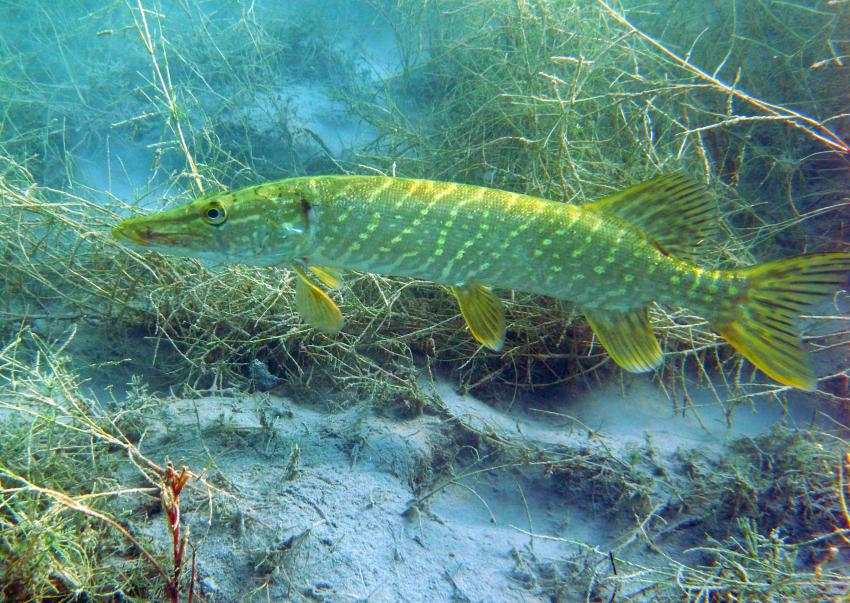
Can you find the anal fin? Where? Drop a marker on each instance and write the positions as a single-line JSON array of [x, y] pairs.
[[627, 336], [483, 313], [314, 305]]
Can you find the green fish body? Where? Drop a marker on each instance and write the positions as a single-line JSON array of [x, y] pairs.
[[613, 257]]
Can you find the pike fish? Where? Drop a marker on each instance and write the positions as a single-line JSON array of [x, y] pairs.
[[613, 257]]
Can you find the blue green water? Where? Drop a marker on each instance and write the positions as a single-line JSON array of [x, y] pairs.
[[400, 461]]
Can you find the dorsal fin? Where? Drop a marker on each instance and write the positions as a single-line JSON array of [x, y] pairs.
[[673, 212]]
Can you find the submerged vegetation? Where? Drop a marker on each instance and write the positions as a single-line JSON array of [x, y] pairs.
[[561, 99], [558, 100]]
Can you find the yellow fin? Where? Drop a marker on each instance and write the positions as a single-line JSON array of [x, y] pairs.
[[627, 337], [763, 327], [780, 355], [314, 305], [483, 313], [673, 212], [329, 277]]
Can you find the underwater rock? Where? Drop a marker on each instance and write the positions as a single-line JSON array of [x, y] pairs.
[[261, 377]]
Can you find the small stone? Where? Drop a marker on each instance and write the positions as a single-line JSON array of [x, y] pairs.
[[262, 378], [208, 586]]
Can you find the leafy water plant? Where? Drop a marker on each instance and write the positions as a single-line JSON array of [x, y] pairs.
[[563, 99], [66, 499], [538, 118]]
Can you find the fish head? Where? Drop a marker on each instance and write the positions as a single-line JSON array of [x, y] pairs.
[[261, 225]]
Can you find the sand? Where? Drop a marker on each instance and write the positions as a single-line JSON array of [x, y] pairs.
[[321, 503]]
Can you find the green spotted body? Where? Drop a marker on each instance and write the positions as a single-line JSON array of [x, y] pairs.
[[453, 233], [612, 257]]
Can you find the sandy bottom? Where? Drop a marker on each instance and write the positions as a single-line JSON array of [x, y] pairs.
[[322, 504]]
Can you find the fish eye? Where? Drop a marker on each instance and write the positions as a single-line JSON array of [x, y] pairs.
[[214, 213]]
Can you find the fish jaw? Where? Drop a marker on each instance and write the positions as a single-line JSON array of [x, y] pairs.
[[168, 232], [128, 235], [136, 233]]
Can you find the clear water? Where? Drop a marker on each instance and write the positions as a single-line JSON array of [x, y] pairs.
[[360, 467]]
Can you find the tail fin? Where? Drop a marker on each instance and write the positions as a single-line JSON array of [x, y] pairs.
[[763, 327]]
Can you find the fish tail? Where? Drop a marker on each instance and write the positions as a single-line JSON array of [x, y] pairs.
[[762, 325]]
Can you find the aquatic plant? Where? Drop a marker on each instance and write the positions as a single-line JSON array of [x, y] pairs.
[[567, 100], [66, 499], [170, 488], [563, 100], [521, 111]]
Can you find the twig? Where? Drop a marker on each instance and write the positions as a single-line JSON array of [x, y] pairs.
[[165, 88], [810, 126]]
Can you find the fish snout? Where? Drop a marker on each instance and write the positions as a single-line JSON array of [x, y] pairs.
[[136, 234]]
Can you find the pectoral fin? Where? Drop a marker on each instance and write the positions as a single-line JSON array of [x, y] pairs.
[[483, 313], [627, 337], [329, 277], [314, 305]]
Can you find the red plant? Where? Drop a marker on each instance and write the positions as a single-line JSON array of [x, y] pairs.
[[170, 488]]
